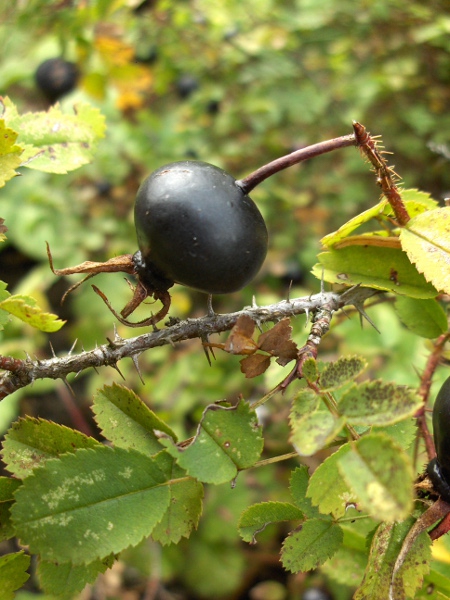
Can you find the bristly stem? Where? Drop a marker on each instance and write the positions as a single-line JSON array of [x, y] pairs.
[[386, 176], [251, 181]]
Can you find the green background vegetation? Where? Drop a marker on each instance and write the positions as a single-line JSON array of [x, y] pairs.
[[235, 83]]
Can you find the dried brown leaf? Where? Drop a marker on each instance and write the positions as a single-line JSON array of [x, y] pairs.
[[240, 340], [255, 365], [277, 341]]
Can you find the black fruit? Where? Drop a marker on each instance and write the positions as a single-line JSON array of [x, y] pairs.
[[195, 226], [186, 85], [56, 77], [439, 467]]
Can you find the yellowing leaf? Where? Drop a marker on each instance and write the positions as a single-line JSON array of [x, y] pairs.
[[9, 153], [25, 308], [426, 241], [55, 142]]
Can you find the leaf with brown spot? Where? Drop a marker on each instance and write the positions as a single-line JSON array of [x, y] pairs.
[[240, 340], [278, 342], [255, 365]]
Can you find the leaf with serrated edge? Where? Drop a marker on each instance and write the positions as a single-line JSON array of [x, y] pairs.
[[346, 566], [385, 547], [30, 442], [404, 433], [298, 486], [378, 403], [185, 506], [7, 530], [312, 432], [426, 240], [311, 545], [89, 504], [327, 489], [369, 469], [8, 486], [277, 341], [380, 268], [127, 421], [343, 370], [25, 308], [10, 153], [425, 318], [55, 142], [228, 439], [309, 370], [258, 516], [66, 580], [13, 573]]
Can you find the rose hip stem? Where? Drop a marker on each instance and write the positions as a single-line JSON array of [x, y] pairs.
[[251, 181]]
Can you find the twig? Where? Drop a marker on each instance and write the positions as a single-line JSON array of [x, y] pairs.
[[424, 391], [386, 176], [20, 374], [251, 181]]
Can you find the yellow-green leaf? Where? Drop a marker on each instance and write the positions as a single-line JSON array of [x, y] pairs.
[[426, 318], [426, 240], [9, 153], [25, 308], [380, 268], [53, 141]]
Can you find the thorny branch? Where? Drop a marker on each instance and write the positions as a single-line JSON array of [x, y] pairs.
[[20, 373]]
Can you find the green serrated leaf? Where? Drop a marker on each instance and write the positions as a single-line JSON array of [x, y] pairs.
[[185, 506], [346, 566], [13, 573], [343, 370], [8, 486], [403, 433], [311, 545], [66, 580], [55, 142], [378, 403], [426, 318], [312, 432], [6, 527], [25, 308], [385, 547], [10, 152], [380, 268], [309, 370], [426, 241], [369, 469], [257, 517], [87, 505], [327, 489], [228, 439], [298, 486], [30, 442], [126, 421]]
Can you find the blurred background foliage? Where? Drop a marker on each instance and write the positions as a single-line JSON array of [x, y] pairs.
[[236, 83]]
